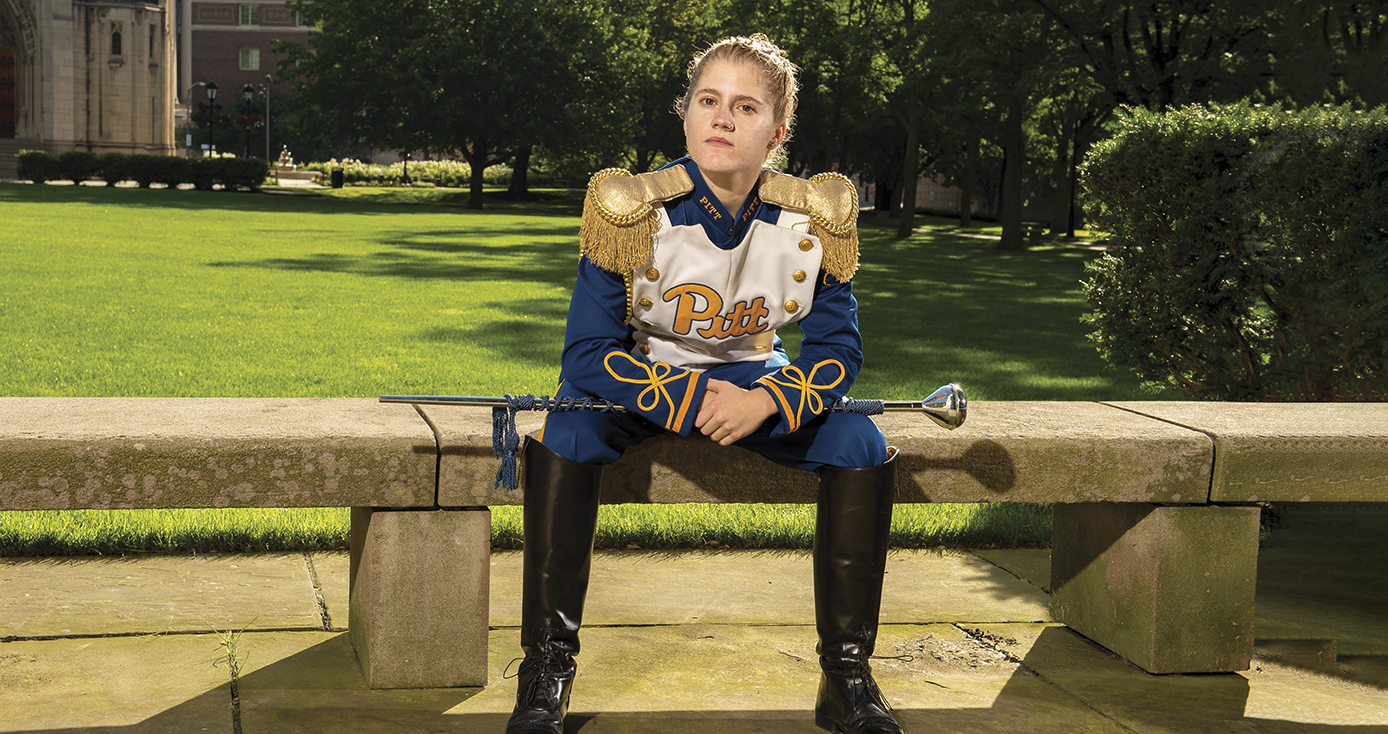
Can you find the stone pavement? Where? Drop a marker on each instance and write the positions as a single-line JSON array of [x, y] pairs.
[[702, 641]]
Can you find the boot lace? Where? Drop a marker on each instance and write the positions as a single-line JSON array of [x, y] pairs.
[[543, 670]]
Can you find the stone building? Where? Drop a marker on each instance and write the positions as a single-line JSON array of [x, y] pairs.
[[86, 75], [113, 75]]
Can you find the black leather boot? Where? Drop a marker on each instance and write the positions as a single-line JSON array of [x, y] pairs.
[[850, 557], [561, 512]]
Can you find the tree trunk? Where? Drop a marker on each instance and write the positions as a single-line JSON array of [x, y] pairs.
[[643, 159], [910, 171], [478, 162], [1083, 135], [520, 168], [1013, 156], [1062, 175], [970, 182]]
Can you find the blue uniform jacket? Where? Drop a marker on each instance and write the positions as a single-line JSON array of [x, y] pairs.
[[598, 343]]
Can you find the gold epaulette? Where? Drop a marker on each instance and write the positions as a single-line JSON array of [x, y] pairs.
[[832, 203], [619, 216]]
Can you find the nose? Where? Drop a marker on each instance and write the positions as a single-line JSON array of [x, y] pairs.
[[723, 119]]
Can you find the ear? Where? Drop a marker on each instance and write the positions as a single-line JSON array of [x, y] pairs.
[[778, 137]]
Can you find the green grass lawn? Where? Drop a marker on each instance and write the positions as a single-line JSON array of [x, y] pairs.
[[123, 292]]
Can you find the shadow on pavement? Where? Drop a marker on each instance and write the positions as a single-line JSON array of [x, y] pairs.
[[1045, 679]]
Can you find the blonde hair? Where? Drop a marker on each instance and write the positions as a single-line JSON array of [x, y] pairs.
[[777, 73]]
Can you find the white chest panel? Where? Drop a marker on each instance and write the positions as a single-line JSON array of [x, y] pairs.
[[695, 306]]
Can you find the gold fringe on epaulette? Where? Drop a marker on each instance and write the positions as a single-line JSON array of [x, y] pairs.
[[840, 239], [616, 241]]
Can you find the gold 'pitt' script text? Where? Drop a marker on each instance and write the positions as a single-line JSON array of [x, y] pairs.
[[745, 318]]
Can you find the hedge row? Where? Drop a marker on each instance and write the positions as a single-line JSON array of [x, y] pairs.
[[451, 174], [1249, 251], [203, 173]]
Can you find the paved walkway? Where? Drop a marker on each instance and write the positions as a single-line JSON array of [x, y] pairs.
[[703, 642]]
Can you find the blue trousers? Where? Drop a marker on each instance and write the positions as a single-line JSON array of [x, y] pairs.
[[846, 440]]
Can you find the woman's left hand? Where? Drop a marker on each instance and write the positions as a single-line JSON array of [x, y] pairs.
[[729, 413]]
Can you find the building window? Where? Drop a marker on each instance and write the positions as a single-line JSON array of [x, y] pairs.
[[250, 15], [115, 43], [250, 59]]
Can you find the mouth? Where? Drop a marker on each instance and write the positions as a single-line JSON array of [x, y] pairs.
[[719, 142]]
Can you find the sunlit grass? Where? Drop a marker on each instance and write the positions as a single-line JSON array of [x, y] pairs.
[[115, 532]]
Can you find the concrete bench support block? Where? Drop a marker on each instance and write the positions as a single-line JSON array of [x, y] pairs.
[[1169, 588], [419, 594]]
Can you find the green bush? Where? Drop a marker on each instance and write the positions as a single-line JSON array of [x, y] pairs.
[[148, 169], [38, 166], [167, 170], [449, 174], [241, 173], [113, 168], [78, 165], [1249, 252], [201, 173]]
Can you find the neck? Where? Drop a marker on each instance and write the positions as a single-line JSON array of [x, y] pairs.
[[731, 188]]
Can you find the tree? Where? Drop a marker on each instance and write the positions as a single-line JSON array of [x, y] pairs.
[[480, 78], [1168, 52], [1000, 51], [1331, 51]]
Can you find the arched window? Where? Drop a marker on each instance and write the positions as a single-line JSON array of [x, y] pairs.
[[115, 43]]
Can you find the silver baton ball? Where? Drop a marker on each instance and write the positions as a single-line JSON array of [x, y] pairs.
[[947, 406]]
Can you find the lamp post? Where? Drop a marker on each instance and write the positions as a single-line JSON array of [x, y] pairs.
[[211, 111], [267, 117], [188, 99], [247, 94]]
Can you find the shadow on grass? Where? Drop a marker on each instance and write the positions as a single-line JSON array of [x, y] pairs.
[[543, 254], [935, 306], [354, 201], [535, 334]]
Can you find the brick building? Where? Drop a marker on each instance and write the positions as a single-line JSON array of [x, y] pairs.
[[232, 42]]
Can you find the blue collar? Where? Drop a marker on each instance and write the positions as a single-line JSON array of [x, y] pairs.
[[703, 208]]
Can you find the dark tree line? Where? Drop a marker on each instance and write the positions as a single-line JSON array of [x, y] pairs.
[[1000, 97]]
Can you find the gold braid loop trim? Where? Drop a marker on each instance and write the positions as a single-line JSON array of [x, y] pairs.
[[831, 200], [619, 219]]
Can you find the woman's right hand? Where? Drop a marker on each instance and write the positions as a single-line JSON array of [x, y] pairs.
[[729, 413]]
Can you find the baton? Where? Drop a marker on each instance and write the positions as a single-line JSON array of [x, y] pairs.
[[947, 406]]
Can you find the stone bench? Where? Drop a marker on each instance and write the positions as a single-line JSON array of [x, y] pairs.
[[1156, 503]]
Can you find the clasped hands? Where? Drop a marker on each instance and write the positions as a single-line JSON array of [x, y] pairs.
[[729, 413]]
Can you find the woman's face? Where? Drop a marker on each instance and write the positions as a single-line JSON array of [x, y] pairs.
[[730, 125]]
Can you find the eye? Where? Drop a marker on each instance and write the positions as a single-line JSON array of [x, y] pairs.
[[749, 109]]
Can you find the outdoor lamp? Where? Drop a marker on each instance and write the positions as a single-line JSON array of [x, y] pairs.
[[211, 99], [247, 94]]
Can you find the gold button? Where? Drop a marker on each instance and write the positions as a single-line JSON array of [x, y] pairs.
[[653, 275], [799, 276], [792, 307], [806, 245], [644, 303], [645, 348]]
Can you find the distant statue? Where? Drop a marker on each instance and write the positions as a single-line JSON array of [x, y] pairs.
[[286, 160]]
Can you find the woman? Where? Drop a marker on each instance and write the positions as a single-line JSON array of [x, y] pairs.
[[685, 274]]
